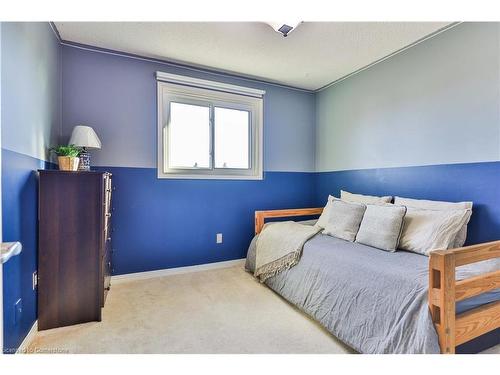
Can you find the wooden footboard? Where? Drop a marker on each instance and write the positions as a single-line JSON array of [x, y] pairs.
[[261, 216], [445, 291]]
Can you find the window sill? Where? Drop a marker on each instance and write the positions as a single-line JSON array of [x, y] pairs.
[[208, 177]]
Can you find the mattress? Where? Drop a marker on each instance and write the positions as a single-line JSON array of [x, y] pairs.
[[477, 301], [374, 301]]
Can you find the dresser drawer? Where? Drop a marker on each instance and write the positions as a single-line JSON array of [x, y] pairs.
[[107, 263], [107, 234], [106, 269], [107, 200]]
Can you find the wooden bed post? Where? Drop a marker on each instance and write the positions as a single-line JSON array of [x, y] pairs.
[[259, 221], [442, 298], [260, 216]]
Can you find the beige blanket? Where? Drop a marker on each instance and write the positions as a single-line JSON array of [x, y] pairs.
[[279, 247]]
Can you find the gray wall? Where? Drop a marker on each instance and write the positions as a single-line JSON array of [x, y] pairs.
[[116, 95], [31, 88], [435, 103]]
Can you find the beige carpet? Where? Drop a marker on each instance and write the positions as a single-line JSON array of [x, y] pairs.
[[216, 311]]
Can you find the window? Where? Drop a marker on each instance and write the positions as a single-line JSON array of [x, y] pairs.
[[208, 130]]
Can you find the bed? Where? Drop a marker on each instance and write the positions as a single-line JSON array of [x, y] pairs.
[[380, 302]]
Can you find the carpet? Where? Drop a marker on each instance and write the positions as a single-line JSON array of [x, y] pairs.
[[220, 311], [216, 311]]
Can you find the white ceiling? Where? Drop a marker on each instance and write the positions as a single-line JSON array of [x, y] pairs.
[[312, 56]]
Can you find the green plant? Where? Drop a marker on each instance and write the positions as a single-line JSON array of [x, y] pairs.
[[69, 150]]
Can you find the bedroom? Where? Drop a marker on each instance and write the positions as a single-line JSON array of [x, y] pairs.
[[191, 147]]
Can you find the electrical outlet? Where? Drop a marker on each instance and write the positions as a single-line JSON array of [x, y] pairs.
[[34, 280], [18, 310], [219, 237]]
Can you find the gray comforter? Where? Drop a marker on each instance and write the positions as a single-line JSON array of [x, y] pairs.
[[374, 301]]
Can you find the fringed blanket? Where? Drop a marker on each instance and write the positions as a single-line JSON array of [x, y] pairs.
[[279, 247]]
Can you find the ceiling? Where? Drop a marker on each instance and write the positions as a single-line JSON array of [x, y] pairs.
[[312, 56]]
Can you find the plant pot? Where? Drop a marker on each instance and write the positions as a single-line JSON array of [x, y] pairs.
[[68, 163]]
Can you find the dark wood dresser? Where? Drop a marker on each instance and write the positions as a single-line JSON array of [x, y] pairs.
[[74, 250]]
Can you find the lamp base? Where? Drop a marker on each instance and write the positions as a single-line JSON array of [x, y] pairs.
[[84, 164]]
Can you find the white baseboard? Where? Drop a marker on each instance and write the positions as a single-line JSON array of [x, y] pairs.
[[174, 271], [23, 348]]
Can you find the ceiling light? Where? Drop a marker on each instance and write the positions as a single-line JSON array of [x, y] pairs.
[[284, 28]]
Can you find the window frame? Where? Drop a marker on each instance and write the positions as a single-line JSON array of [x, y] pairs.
[[166, 130], [169, 92]]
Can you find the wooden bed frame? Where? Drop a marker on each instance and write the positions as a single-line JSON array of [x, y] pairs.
[[444, 289]]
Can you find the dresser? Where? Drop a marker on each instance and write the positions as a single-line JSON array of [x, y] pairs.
[[74, 248]]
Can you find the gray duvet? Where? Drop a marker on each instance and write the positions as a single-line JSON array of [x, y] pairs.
[[375, 301]]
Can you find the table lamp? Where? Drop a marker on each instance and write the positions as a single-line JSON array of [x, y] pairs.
[[86, 138]]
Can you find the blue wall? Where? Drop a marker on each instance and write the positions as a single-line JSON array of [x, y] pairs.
[[31, 114], [19, 209], [423, 124], [476, 182], [116, 95], [171, 223]]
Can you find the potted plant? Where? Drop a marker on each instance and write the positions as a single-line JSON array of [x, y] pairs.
[[67, 157]]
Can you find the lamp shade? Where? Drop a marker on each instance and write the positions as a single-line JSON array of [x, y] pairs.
[[84, 136]]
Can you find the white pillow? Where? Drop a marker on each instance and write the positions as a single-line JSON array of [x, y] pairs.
[[352, 198], [344, 219], [364, 199], [382, 226], [461, 236], [323, 219], [428, 230]]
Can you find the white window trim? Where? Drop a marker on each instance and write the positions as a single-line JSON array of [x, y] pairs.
[[211, 85], [172, 86]]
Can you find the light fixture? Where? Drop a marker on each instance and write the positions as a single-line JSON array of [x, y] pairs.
[[284, 28], [85, 137]]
